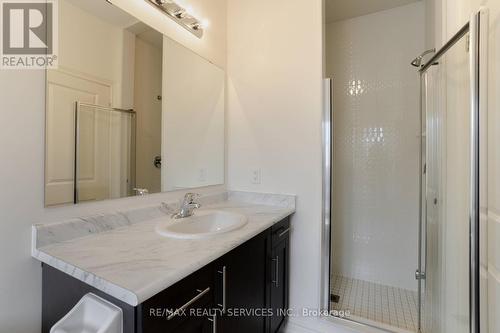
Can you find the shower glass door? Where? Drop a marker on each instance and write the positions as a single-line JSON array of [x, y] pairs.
[[447, 107], [104, 153], [449, 258]]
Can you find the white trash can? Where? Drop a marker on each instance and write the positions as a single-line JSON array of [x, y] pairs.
[[91, 314]]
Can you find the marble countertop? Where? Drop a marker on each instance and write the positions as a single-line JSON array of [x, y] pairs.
[[132, 263]]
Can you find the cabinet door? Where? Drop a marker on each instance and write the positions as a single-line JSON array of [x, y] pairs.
[[240, 279], [279, 284]]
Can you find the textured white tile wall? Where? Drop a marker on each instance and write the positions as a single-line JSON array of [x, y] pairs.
[[376, 144]]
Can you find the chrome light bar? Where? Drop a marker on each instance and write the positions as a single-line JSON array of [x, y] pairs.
[[179, 15]]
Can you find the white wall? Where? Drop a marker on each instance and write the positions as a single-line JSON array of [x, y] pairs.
[[275, 110], [376, 144], [22, 102]]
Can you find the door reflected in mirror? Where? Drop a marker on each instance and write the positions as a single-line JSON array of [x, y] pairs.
[[129, 111]]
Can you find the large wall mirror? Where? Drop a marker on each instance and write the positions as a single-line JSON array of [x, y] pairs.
[[129, 111]]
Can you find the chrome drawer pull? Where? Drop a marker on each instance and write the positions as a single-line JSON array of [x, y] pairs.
[[277, 267], [224, 282], [188, 304], [214, 323], [284, 233]]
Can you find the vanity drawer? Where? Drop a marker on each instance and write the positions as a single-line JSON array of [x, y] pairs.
[[194, 292], [280, 231]]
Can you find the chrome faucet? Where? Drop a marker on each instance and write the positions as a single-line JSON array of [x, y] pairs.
[[188, 206]]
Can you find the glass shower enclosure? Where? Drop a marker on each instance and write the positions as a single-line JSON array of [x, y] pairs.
[[453, 126], [452, 188]]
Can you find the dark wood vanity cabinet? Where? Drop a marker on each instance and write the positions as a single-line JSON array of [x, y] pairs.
[[241, 287], [278, 290], [245, 291]]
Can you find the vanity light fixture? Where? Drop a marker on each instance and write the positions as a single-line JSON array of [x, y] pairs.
[[180, 15]]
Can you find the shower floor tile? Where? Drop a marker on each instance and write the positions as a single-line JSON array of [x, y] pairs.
[[375, 304]]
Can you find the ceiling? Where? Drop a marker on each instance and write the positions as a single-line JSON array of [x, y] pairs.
[[337, 10], [148, 34], [105, 11], [117, 17]]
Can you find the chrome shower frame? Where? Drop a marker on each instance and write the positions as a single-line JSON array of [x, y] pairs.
[[326, 250]]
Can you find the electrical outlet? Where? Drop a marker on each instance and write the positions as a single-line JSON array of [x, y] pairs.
[[256, 176]]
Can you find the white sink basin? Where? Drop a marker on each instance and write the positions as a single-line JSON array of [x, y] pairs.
[[203, 224]]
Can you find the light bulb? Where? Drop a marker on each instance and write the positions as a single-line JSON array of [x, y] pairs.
[[204, 23], [189, 10]]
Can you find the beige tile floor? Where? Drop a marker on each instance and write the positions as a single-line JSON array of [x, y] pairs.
[[389, 306]]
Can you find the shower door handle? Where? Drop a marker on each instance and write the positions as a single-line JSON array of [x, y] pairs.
[[419, 275]]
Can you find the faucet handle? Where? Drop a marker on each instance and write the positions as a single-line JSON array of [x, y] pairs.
[[141, 191], [191, 197]]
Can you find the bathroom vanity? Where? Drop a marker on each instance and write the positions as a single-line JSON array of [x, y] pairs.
[[125, 117], [231, 282]]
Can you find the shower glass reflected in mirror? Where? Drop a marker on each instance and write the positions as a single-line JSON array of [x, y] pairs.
[[109, 134], [129, 111]]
